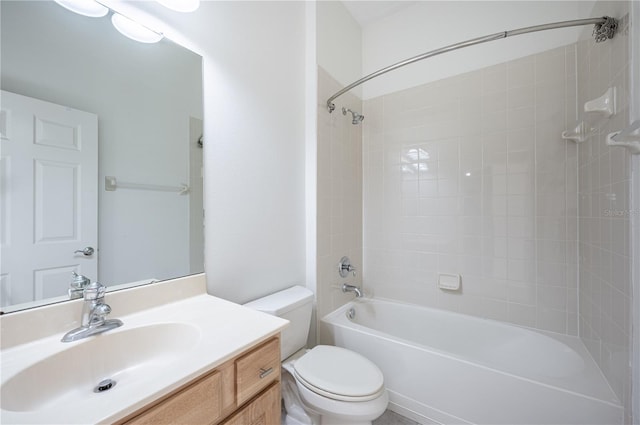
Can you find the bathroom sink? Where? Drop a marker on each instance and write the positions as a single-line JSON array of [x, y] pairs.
[[71, 375], [174, 332]]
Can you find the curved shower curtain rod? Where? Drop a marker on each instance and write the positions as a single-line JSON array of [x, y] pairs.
[[604, 29]]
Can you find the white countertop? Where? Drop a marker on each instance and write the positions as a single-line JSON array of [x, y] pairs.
[[224, 329]]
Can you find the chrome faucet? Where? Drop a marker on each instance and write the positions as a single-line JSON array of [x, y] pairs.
[[352, 288], [94, 313], [77, 285]]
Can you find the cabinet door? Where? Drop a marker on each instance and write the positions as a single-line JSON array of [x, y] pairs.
[[257, 369], [263, 410], [199, 403]]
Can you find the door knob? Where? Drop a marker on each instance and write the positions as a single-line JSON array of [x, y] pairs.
[[88, 251]]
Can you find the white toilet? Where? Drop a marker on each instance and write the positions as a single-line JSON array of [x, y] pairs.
[[335, 385]]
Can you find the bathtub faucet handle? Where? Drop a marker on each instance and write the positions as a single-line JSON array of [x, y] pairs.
[[345, 267]]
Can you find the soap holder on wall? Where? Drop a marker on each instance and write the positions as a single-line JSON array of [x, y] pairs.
[[449, 282], [627, 138], [596, 112], [604, 106], [578, 135]]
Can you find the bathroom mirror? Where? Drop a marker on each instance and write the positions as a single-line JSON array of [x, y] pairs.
[[101, 170]]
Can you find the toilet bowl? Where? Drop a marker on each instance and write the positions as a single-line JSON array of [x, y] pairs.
[[338, 386], [333, 384]]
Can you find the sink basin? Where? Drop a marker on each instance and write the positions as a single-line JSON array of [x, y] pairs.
[[124, 356]]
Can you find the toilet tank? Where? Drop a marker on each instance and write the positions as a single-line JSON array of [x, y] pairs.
[[295, 305]]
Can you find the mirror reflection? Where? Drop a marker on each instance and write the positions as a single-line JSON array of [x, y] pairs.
[[101, 156]]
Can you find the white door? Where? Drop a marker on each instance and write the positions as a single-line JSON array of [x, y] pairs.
[[49, 193]]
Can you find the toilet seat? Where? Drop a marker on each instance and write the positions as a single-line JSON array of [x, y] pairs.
[[343, 412], [339, 374]]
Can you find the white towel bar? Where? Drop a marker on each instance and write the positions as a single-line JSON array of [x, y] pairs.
[[111, 184]]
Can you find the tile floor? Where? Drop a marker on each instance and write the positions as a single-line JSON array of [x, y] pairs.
[[387, 418], [392, 418]]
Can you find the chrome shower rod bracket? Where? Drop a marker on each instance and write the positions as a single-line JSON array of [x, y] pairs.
[[604, 29]]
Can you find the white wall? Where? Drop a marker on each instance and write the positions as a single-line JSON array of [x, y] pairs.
[[116, 78], [339, 43], [430, 25], [311, 155], [254, 88]]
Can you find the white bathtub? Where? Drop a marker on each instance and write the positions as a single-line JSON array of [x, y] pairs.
[[443, 367]]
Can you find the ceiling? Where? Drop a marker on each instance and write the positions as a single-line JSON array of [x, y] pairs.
[[365, 12]]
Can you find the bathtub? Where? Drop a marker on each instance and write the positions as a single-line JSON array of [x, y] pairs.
[[449, 368]]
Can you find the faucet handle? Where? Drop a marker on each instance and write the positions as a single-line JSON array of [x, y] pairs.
[[345, 267], [99, 313], [94, 291], [77, 285], [79, 281]]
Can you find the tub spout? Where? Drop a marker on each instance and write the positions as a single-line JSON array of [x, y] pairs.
[[352, 288]]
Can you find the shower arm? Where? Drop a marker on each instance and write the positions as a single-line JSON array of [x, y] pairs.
[[605, 29]]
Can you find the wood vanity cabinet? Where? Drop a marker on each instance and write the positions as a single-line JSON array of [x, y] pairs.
[[242, 391]]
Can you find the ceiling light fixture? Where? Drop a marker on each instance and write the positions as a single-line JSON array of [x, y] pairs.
[[134, 30], [181, 5], [89, 8]]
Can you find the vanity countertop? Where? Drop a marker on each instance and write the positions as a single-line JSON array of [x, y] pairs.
[[182, 339]]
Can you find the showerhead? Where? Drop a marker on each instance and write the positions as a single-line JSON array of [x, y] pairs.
[[356, 118]]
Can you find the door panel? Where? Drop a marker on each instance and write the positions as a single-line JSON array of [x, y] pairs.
[[52, 282], [56, 200], [61, 134]]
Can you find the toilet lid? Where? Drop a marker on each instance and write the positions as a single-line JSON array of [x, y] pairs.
[[339, 373]]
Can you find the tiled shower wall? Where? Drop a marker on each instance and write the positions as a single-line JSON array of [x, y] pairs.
[[605, 297], [339, 196], [469, 175]]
